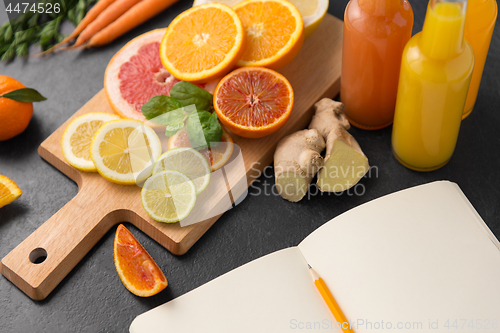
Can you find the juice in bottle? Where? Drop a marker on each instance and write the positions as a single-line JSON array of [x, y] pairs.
[[375, 34], [479, 24], [436, 69]]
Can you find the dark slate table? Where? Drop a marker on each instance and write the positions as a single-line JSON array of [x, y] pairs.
[[92, 298]]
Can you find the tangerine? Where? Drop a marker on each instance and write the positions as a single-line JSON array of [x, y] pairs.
[[14, 116]]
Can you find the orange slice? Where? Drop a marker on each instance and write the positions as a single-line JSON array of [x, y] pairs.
[[253, 102], [9, 191], [274, 32], [203, 43], [216, 156], [137, 270]]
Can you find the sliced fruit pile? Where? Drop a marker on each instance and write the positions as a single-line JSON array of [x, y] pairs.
[[135, 74], [9, 191], [253, 33], [76, 139], [312, 11], [123, 151], [179, 176], [137, 270]]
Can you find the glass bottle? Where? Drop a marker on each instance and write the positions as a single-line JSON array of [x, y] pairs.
[[479, 24], [435, 74], [375, 34]]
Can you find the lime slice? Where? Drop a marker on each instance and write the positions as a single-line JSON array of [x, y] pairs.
[[188, 161], [168, 196]]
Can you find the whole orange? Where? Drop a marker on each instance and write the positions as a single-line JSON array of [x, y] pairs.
[[14, 116]]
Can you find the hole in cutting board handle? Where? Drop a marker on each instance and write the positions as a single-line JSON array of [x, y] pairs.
[[38, 255]]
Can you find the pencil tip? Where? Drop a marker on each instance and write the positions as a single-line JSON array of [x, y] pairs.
[[309, 266]]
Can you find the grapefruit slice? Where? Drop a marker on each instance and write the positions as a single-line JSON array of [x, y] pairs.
[[135, 74], [215, 156], [253, 101], [138, 271]]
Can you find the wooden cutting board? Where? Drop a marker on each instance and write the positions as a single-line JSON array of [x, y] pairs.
[[68, 235]]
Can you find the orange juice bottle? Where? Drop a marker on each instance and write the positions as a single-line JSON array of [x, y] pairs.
[[435, 74], [375, 34], [479, 24]]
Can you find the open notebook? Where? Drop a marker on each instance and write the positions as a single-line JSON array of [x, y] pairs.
[[421, 259]]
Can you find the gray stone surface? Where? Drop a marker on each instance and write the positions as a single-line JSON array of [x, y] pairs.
[[92, 299]]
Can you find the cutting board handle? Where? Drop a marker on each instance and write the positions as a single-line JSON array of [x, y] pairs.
[[42, 260]]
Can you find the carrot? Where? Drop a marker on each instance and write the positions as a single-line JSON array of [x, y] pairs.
[[138, 14], [110, 14], [89, 17]]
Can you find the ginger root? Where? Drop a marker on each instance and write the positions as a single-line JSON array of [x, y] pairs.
[[345, 163], [296, 160]]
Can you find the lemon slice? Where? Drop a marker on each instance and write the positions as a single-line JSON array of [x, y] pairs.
[[9, 191], [124, 151], [168, 196], [312, 11], [188, 161], [76, 139]]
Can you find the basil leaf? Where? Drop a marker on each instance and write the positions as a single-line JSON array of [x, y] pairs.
[[173, 120], [213, 132], [159, 105], [203, 129], [173, 128], [27, 95], [187, 94]]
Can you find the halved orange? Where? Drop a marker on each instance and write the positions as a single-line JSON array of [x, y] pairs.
[[203, 43], [137, 270], [274, 32], [9, 191], [253, 102], [216, 156]]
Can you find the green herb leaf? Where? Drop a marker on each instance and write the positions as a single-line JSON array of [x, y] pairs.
[[171, 117], [9, 54], [4, 48], [28, 95], [81, 9], [22, 50], [188, 94], [173, 120], [8, 34], [3, 28], [203, 129], [159, 105], [170, 130], [72, 16], [33, 21]]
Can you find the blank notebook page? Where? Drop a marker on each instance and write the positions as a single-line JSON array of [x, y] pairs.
[[269, 294], [416, 256]]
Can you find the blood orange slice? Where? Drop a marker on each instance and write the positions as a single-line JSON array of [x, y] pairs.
[[137, 270], [253, 101], [135, 74], [216, 156]]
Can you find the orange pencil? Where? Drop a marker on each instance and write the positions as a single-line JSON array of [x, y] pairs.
[[330, 301]]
